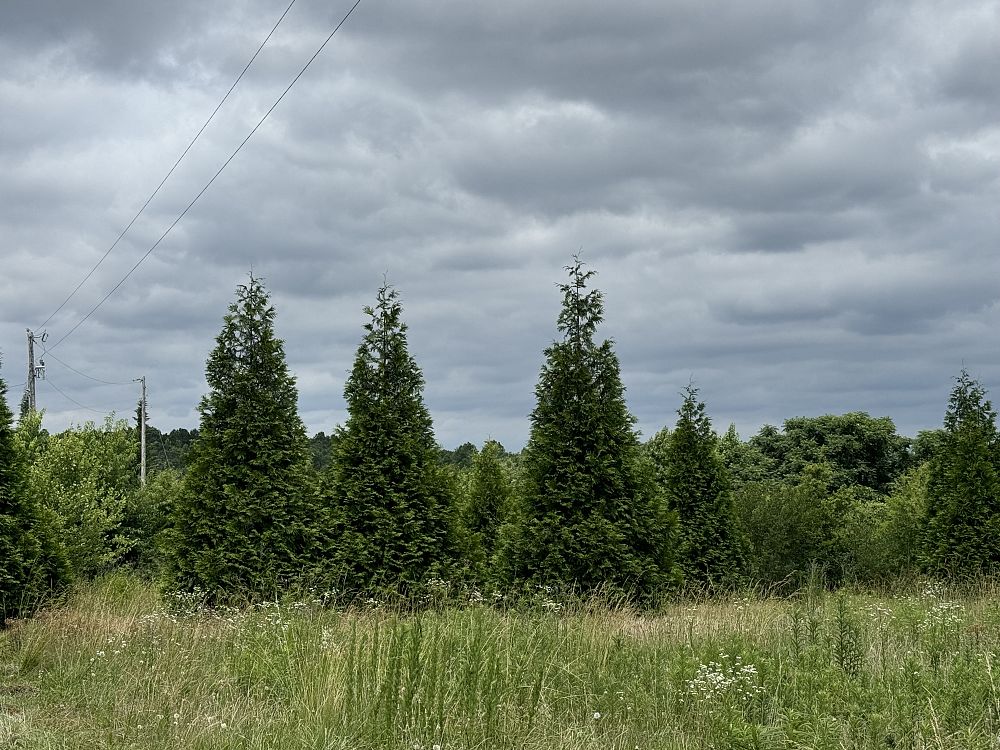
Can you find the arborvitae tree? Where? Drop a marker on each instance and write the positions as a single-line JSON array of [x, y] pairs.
[[490, 495], [17, 544], [392, 504], [963, 511], [30, 563], [696, 485], [243, 527], [592, 517]]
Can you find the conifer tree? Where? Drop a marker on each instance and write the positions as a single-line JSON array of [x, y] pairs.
[[696, 485], [30, 561], [244, 525], [17, 544], [490, 496], [962, 534], [392, 505], [592, 517]]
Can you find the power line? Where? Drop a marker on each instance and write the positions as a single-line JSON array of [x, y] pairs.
[[209, 183], [167, 177], [69, 398], [47, 353], [163, 447]]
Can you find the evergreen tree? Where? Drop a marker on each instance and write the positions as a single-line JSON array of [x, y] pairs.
[[490, 496], [962, 535], [592, 517], [696, 485], [30, 561], [243, 527], [392, 504], [17, 544]]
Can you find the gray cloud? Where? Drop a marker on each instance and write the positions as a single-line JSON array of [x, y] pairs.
[[794, 203]]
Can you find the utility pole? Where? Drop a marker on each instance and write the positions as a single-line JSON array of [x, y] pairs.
[[142, 432], [31, 371], [34, 372]]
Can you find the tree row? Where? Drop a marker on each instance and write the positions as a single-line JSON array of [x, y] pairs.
[[586, 505]]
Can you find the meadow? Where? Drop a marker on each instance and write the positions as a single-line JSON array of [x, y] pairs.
[[117, 665]]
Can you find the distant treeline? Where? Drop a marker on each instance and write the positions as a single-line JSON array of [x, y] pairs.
[[170, 450], [247, 506]]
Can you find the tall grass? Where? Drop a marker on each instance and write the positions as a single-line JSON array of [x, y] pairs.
[[116, 667]]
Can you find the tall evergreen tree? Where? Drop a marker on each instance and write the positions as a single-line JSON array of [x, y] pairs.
[[17, 544], [30, 560], [393, 506], [592, 516], [244, 524], [962, 534], [697, 487]]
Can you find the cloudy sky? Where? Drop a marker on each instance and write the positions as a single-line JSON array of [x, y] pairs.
[[796, 203]]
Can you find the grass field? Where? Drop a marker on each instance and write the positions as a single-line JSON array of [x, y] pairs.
[[118, 667]]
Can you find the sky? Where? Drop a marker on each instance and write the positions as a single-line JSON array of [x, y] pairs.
[[793, 204]]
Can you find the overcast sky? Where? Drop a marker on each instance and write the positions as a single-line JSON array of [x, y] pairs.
[[795, 203]]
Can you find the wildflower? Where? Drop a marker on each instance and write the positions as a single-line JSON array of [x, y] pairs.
[[597, 715], [728, 677]]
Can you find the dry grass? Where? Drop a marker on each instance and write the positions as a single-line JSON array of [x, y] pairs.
[[114, 668]]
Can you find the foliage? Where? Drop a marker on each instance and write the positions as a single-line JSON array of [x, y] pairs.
[[321, 449], [963, 513], [906, 514], [30, 559], [859, 449], [147, 519], [744, 461], [880, 535], [697, 487], [462, 457], [392, 504], [792, 527], [926, 444], [490, 495], [168, 450], [591, 516], [85, 478], [243, 527]]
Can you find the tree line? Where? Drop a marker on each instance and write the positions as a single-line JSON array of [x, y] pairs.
[[248, 506]]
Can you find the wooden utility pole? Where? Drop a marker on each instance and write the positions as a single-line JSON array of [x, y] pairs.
[[142, 434], [31, 371]]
